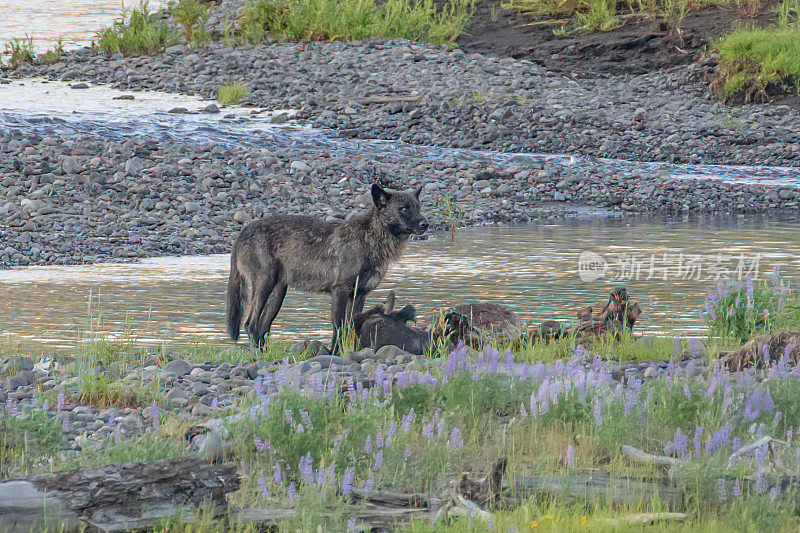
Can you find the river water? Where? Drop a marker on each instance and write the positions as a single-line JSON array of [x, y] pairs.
[[666, 265], [76, 22], [534, 269]]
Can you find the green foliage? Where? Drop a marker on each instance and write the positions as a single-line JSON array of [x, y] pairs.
[[451, 213], [673, 13], [20, 51], [25, 440], [601, 16], [232, 94], [193, 19], [136, 34], [743, 311], [757, 64], [52, 56], [318, 20], [147, 447]]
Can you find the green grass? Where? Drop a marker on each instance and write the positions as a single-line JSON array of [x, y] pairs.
[[451, 213], [193, 19], [134, 33], [756, 65], [26, 440], [20, 51], [232, 94], [328, 20], [601, 16], [52, 56]]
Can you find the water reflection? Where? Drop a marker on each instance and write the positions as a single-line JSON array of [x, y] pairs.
[[533, 269]]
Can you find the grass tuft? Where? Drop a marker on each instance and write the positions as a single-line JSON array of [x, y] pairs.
[[52, 56], [232, 94], [193, 19], [136, 34], [20, 51]]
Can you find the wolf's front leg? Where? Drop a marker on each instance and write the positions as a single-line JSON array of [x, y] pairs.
[[339, 301]]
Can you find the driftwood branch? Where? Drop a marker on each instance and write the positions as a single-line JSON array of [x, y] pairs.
[[114, 497], [643, 457], [617, 315], [744, 450]]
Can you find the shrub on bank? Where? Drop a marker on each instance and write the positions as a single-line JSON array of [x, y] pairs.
[[327, 20], [232, 94], [135, 33], [757, 65]]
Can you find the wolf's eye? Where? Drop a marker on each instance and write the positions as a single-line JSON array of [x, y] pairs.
[[403, 209]]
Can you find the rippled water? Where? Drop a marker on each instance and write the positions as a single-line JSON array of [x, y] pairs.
[[76, 22], [533, 269], [46, 108]]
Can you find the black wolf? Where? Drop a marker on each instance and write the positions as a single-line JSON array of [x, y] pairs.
[[345, 259]]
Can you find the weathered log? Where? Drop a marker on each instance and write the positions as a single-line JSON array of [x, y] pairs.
[[116, 497]]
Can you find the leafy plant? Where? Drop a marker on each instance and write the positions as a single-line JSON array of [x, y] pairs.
[[193, 18], [26, 438], [451, 213], [742, 310], [134, 33], [20, 51]]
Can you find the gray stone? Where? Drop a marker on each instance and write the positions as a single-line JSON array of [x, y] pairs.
[[359, 356], [178, 368], [175, 49]]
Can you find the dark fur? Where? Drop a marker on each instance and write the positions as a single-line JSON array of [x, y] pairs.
[[382, 326], [308, 254]]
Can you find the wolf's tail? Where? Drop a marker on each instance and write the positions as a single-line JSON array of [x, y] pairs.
[[234, 299]]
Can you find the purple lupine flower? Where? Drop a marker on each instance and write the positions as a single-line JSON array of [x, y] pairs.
[[61, 400], [680, 441], [306, 468], [628, 402], [523, 413], [512, 529], [292, 492], [570, 455], [306, 418], [379, 441], [368, 444], [440, 427], [289, 417], [759, 484], [762, 453], [391, 431], [408, 420], [347, 481], [687, 392], [778, 416], [698, 432], [776, 277], [407, 452], [378, 461], [261, 445], [368, 485], [736, 490], [750, 290], [154, 414], [321, 474], [427, 431], [262, 484], [765, 353], [722, 489], [598, 413], [277, 473], [351, 525], [455, 438]]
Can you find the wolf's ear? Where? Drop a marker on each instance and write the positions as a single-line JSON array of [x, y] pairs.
[[380, 197], [417, 191]]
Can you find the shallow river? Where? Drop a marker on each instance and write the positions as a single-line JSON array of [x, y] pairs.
[[534, 269], [76, 22]]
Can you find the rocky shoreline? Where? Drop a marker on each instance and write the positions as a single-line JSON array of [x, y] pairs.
[[465, 100], [214, 390]]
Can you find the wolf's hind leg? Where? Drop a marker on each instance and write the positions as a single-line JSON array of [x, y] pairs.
[[262, 289], [270, 311]]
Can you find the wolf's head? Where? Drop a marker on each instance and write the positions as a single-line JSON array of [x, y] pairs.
[[399, 212]]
